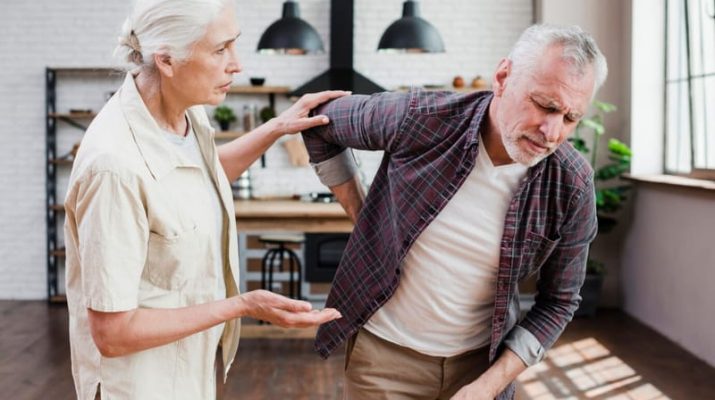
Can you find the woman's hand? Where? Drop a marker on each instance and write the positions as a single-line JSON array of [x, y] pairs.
[[296, 118], [282, 311]]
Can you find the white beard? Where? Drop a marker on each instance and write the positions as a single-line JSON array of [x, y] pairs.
[[522, 156]]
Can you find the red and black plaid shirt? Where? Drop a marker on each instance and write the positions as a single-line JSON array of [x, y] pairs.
[[430, 141]]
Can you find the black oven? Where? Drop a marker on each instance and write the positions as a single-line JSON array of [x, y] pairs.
[[322, 255]]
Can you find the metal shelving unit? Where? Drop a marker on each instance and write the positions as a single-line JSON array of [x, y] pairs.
[[55, 250]]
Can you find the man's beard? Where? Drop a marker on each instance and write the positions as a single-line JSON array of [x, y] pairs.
[[523, 156]]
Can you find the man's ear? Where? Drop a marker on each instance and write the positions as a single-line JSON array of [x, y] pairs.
[[501, 76], [164, 64]]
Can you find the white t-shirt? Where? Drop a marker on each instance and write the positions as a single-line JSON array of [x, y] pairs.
[[445, 300]]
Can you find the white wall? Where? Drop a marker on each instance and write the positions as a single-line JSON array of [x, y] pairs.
[[668, 272], [609, 22], [669, 265], [44, 33]]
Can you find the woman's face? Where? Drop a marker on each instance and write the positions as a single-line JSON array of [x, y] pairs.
[[206, 76]]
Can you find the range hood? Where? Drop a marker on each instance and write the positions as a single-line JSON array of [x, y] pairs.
[[341, 75]]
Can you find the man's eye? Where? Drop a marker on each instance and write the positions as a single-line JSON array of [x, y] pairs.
[[221, 50]]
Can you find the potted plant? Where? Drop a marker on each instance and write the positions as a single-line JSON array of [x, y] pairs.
[[267, 113], [611, 194], [224, 115]]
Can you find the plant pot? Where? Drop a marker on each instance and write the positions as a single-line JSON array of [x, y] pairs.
[[591, 294], [224, 125]]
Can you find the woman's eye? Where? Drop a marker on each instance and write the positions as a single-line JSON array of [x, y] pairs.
[[221, 50]]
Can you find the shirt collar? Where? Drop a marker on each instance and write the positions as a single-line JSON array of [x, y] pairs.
[[160, 157], [481, 116]]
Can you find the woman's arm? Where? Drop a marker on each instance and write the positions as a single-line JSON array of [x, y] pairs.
[[121, 333], [237, 155]]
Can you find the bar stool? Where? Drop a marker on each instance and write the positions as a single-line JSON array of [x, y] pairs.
[[280, 253]]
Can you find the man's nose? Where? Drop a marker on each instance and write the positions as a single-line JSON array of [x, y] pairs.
[[551, 127]]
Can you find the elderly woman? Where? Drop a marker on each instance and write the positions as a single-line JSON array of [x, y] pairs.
[[150, 230]]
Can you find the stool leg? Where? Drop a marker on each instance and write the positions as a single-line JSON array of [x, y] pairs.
[[299, 267], [264, 269], [295, 268], [271, 264], [285, 251]]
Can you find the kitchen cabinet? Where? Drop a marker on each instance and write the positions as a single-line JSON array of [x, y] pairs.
[[257, 217]]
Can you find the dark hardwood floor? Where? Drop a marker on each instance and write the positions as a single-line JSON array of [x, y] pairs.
[[611, 356]]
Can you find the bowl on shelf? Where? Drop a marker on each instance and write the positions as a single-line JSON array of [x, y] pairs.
[[257, 81]]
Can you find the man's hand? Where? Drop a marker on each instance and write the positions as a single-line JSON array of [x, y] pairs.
[[296, 118], [494, 380], [282, 311], [473, 391]]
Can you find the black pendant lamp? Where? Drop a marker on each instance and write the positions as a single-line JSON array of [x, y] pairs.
[[411, 33], [290, 34]]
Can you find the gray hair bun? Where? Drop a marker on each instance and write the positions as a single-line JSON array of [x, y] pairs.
[[129, 48]]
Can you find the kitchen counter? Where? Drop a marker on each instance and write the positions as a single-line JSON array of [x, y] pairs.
[[290, 215]]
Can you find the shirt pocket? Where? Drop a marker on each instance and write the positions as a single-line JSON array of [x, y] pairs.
[[172, 261], [536, 251]]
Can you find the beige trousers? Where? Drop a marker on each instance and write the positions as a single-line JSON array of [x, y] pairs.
[[376, 369]]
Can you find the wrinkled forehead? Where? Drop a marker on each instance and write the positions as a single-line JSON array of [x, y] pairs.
[[223, 28]]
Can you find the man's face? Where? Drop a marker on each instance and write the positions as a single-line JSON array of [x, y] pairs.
[[540, 108]]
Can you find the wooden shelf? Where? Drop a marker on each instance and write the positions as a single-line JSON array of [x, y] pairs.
[[58, 299], [243, 89], [85, 70], [60, 161], [58, 207], [73, 115], [59, 253], [228, 135]]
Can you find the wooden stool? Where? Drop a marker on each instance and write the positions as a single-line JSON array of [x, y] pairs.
[[281, 252]]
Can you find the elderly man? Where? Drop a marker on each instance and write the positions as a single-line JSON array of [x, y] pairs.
[[475, 193]]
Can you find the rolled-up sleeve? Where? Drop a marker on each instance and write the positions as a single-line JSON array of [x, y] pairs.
[[112, 233], [336, 170], [525, 345]]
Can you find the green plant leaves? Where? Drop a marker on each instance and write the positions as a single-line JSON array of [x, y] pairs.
[[609, 197], [619, 148], [611, 171], [604, 107], [579, 144], [595, 124], [224, 114]]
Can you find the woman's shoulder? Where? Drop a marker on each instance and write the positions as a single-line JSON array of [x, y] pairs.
[[108, 146]]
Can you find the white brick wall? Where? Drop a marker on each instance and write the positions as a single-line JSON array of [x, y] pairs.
[[44, 33]]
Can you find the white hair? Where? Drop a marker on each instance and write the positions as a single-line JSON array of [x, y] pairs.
[[165, 27], [579, 49]]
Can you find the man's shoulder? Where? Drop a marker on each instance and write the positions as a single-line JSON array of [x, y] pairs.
[[446, 103], [572, 163]]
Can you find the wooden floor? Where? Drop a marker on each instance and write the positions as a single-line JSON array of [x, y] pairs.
[[609, 357]]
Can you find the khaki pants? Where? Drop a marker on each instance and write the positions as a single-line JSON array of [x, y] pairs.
[[376, 369]]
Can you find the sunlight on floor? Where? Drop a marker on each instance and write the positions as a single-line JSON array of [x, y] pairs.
[[585, 369]]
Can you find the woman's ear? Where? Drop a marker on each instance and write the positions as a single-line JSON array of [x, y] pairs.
[[164, 64], [501, 76]]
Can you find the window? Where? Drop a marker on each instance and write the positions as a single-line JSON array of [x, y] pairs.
[[690, 87]]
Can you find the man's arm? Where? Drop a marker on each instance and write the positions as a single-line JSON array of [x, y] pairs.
[[351, 196], [559, 284], [237, 155], [359, 122], [494, 380]]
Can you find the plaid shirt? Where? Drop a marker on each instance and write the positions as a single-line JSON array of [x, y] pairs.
[[430, 141]]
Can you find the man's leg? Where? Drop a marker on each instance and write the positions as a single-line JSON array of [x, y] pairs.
[[376, 369], [462, 370]]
